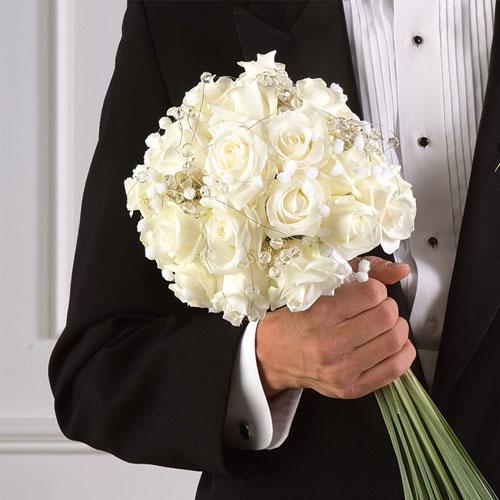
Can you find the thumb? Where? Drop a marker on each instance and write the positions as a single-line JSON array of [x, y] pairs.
[[383, 270]]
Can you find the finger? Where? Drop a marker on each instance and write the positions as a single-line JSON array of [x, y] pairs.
[[383, 270], [350, 300], [357, 332], [386, 371], [378, 349]]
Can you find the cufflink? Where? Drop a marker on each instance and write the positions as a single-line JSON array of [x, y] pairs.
[[245, 430]]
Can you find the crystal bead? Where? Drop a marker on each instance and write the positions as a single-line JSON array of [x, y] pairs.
[[244, 262], [276, 243], [296, 102], [265, 257], [169, 180], [393, 142], [206, 253], [284, 256], [279, 264], [187, 150], [189, 110], [249, 291], [274, 273], [188, 208], [284, 95], [178, 197], [206, 77], [222, 186], [294, 252]]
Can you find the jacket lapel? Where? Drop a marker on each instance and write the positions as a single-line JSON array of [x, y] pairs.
[[312, 42], [474, 295]]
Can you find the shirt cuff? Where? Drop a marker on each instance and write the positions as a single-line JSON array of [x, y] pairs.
[[252, 421]]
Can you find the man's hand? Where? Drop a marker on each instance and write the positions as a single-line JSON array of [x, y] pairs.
[[344, 346]]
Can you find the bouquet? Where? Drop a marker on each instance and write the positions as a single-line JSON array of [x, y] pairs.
[[254, 194]]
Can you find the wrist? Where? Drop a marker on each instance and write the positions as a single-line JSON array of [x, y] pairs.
[[267, 334]]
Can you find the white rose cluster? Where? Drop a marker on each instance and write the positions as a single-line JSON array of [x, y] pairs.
[[256, 191]]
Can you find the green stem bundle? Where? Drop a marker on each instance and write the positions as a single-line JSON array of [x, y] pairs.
[[432, 461]]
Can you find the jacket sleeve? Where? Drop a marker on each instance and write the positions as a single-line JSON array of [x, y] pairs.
[[136, 372]]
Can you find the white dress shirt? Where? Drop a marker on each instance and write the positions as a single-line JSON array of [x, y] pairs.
[[421, 68]]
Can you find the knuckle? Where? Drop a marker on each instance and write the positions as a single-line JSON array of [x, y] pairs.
[[320, 308], [388, 313], [351, 391], [398, 367], [395, 340], [319, 313], [412, 352], [397, 336], [375, 290]]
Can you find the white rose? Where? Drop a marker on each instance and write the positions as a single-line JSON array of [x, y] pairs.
[[201, 97], [296, 136], [243, 294], [351, 227], [194, 285], [238, 158], [177, 235], [398, 221], [293, 208], [141, 194], [231, 236], [393, 199], [356, 163], [203, 94], [305, 278], [333, 175], [315, 91], [246, 104], [163, 154], [136, 193]]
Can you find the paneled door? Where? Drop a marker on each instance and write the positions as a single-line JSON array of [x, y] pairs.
[[56, 60]]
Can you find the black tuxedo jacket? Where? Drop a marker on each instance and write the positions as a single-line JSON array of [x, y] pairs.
[[142, 376]]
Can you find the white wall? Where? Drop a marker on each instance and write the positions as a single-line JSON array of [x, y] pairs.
[[56, 59]]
